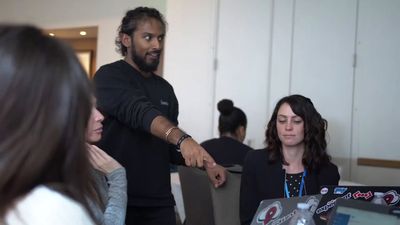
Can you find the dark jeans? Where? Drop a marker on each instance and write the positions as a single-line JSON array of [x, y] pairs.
[[150, 215]]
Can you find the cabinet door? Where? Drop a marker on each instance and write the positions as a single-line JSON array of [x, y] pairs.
[[377, 89], [322, 66]]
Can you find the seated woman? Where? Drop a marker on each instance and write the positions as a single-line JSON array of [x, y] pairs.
[[295, 161], [45, 99], [110, 177], [228, 149]]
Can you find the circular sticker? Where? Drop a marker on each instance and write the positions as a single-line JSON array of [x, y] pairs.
[[324, 190]]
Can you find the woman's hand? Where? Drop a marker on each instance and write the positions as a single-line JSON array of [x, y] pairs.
[[101, 161]]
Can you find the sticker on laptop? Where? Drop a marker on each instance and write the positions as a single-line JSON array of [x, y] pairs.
[[270, 213], [324, 190], [391, 197], [339, 190]]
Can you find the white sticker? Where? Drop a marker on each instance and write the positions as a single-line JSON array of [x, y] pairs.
[[324, 190]]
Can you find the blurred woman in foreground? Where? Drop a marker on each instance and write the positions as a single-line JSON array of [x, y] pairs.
[[45, 100]]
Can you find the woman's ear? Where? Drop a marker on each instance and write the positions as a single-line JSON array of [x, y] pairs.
[[241, 133]]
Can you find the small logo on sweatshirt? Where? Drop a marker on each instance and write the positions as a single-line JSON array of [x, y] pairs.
[[164, 103]]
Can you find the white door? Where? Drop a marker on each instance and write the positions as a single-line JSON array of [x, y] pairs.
[[243, 48], [377, 89], [322, 67], [189, 58]]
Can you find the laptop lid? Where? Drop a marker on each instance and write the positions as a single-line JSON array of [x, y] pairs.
[[355, 212], [365, 193], [280, 210]]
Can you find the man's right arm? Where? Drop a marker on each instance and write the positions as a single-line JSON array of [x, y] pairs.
[[116, 96]]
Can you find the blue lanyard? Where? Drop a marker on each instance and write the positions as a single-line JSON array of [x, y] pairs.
[[287, 195]]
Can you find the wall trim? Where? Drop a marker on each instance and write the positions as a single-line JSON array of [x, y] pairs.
[[378, 163]]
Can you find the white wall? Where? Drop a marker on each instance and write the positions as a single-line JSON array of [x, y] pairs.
[[322, 66], [377, 87], [189, 58], [48, 14], [243, 53], [285, 47]]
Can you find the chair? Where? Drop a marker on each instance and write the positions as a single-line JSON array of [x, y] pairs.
[[196, 196], [225, 200]]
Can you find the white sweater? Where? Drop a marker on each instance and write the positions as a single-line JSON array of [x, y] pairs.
[[43, 206]]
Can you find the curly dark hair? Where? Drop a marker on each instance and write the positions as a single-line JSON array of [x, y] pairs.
[[315, 127], [132, 19]]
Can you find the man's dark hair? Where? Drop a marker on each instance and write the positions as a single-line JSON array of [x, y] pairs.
[[230, 118], [131, 20]]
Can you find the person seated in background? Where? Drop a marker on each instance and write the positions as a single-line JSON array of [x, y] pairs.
[[45, 99], [110, 177], [228, 149], [295, 161]]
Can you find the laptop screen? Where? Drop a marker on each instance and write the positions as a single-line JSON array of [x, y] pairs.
[[354, 212], [350, 216]]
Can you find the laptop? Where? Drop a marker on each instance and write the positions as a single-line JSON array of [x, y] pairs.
[[353, 212], [365, 193], [280, 210]]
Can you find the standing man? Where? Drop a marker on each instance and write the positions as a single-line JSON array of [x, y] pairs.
[[140, 129]]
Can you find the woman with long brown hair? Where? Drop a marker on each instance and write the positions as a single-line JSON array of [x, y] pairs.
[[45, 99], [295, 161], [110, 176]]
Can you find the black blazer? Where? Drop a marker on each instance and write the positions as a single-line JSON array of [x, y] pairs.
[[262, 180]]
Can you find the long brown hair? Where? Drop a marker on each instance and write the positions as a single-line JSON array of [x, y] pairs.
[[45, 99], [315, 127]]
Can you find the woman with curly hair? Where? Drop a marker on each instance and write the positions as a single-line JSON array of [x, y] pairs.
[[295, 161]]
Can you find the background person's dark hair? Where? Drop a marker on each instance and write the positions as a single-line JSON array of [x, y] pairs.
[[132, 19], [315, 127], [230, 117], [45, 99]]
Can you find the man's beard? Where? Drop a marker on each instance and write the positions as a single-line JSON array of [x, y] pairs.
[[141, 62]]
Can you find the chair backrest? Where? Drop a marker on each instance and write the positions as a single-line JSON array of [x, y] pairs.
[[196, 196], [225, 200]]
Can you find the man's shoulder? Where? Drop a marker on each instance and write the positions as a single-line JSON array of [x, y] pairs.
[[161, 79], [162, 82], [114, 66], [118, 70]]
